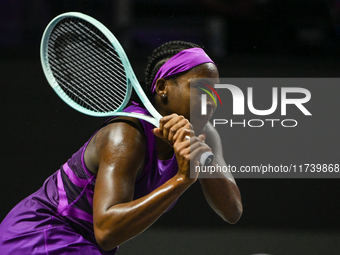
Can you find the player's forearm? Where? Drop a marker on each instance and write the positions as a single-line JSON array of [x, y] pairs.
[[124, 221], [224, 197]]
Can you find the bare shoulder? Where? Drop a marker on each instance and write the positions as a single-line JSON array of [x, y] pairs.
[[121, 136]]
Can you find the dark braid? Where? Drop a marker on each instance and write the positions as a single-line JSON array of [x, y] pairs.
[[159, 56]]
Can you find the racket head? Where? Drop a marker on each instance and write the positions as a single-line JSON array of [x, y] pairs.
[[86, 65]]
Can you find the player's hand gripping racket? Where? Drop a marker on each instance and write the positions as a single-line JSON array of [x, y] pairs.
[[87, 67]]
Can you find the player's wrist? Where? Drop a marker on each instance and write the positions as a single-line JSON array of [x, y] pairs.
[[184, 180]]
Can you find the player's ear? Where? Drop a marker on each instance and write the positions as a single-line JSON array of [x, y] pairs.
[[161, 87]]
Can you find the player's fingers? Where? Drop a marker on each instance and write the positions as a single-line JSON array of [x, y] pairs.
[[164, 124], [157, 132], [195, 143], [184, 134], [190, 149], [171, 122], [174, 130], [165, 119], [170, 125]]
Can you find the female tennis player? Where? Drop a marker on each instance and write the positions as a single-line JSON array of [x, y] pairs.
[[128, 173]]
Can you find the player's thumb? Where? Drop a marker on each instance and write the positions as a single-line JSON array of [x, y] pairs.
[[157, 132]]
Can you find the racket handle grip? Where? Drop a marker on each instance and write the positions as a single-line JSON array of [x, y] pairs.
[[206, 158]]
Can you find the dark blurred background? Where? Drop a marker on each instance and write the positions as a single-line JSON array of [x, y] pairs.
[[246, 38]]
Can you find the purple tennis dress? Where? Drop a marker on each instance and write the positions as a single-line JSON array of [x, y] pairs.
[[57, 219]]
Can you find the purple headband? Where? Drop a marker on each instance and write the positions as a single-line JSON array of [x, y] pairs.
[[181, 62]]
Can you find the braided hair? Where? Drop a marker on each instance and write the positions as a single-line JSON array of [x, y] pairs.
[[158, 58]]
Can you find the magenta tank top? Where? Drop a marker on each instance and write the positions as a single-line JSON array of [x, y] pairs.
[[51, 219], [76, 182]]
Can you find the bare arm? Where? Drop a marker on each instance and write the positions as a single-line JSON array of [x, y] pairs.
[[222, 192], [118, 152]]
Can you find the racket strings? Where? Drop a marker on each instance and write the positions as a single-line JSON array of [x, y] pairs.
[[113, 61], [89, 65], [79, 70], [83, 95], [86, 66], [105, 43]]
